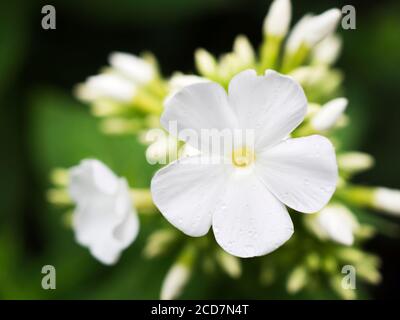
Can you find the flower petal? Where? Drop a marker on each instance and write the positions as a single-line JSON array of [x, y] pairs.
[[106, 226], [186, 192], [127, 230], [250, 221], [91, 177], [272, 105], [196, 107], [301, 172]]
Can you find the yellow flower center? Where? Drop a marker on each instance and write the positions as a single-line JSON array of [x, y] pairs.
[[242, 157]]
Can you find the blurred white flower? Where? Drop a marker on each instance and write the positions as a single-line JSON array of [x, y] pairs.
[[104, 220], [120, 82], [243, 194], [277, 21], [311, 29], [387, 200], [133, 67], [329, 114], [111, 86], [337, 223]]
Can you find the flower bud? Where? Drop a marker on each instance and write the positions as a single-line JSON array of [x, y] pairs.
[[109, 85], [337, 223], [387, 200], [230, 264], [296, 36], [277, 21], [174, 282], [327, 51], [205, 62], [297, 280], [158, 242], [178, 275], [133, 67], [329, 114], [354, 162], [321, 26], [243, 50], [312, 29]]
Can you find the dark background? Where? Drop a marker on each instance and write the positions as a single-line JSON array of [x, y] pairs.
[[39, 67]]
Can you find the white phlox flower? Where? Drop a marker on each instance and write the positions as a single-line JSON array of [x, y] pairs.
[[104, 219], [243, 195]]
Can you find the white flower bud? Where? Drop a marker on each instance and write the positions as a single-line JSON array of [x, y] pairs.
[[327, 50], [355, 161], [133, 67], [337, 223], [277, 21], [205, 62], [296, 36], [158, 242], [105, 108], [312, 29], [297, 280], [321, 26], [244, 50], [329, 114], [312, 109], [106, 86], [174, 281], [163, 150], [230, 63], [230, 264], [387, 200]]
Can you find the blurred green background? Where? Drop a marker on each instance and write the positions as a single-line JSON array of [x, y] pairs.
[[43, 126]]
